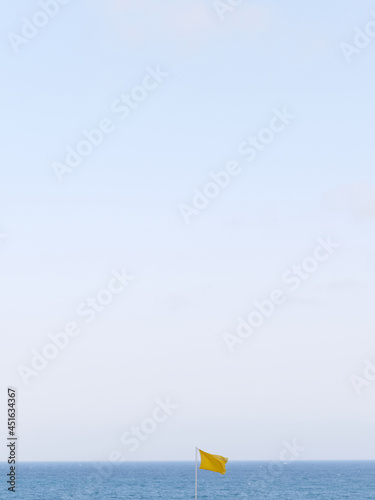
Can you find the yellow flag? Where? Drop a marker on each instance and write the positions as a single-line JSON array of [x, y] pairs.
[[213, 462]]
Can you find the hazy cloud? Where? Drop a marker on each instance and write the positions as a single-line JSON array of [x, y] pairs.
[[145, 20], [358, 199]]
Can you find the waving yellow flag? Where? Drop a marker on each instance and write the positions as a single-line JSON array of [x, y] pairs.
[[215, 463]]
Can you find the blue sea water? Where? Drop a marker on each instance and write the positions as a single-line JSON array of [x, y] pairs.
[[176, 480]]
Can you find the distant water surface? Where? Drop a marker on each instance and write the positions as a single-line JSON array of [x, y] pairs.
[[175, 480]]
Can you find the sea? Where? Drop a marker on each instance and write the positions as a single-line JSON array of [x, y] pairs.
[[176, 480]]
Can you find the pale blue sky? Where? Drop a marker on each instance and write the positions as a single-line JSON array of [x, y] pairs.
[[120, 209]]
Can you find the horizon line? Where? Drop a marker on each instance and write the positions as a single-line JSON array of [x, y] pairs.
[[189, 461]]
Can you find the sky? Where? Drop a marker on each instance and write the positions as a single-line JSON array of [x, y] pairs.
[[123, 248]]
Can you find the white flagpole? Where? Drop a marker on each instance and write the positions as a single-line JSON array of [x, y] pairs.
[[196, 473]]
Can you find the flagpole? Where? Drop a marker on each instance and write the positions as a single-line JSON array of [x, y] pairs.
[[196, 473]]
